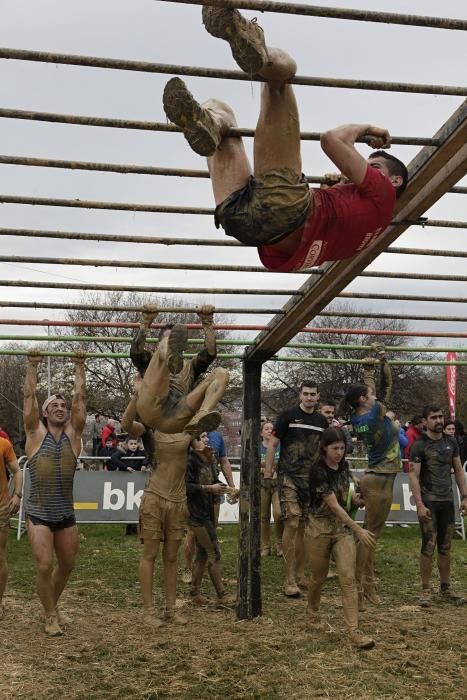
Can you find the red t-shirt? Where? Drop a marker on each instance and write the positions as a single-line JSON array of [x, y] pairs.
[[7, 455], [343, 220]]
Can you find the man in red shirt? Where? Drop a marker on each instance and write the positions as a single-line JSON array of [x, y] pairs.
[[272, 207]]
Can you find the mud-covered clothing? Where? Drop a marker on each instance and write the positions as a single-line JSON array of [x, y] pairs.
[[299, 434], [7, 455], [183, 381], [54, 526], [51, 471], [342, 220], [323, 482], [132, 459], [439, 530], [381, 437], [201, 471], [263, 451], [168, 479], [436, 462]]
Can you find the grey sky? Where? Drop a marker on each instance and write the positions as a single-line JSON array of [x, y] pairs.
[[165, 33]]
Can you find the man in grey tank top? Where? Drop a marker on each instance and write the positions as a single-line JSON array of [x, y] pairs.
[[52, 448]]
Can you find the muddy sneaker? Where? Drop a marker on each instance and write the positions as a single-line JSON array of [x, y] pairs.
[[203, 422], [186, 576], [149, 618], [175, 346], [197, 123], [371, 595], [302, 582], [63, 618], [291, 590], [246, 38], [447, 594], [175, 617], [312, 621], [279, 552], [51, 627], [228, 600], [424, 599], [265, 551], [199, 600], [360, 640]]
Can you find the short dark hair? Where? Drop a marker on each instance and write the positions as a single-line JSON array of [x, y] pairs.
[[310, 383], [459, 427], [395, 167], [354, 393], [415, 420], [327, 402], [430, 408], [164, 328], [331, 435]]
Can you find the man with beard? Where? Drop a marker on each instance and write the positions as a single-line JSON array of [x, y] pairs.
[[52, 448], [299, 431]]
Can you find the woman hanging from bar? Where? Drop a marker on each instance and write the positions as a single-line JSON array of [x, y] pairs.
[[331, 531]]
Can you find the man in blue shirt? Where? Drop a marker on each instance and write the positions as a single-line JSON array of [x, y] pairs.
[[216, 441], [370, 423]]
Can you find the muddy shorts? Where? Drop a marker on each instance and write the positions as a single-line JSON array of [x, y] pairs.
[[267, 209], [53, 526], [439, 530], [4, 517], [161, 519], [292, 498]]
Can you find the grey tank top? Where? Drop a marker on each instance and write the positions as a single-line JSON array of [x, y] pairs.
[[51, 470]]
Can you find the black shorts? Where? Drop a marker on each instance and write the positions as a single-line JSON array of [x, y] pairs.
[[438, 532], [70, 521], [267, 209]]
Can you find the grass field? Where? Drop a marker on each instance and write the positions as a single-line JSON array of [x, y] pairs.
[[108, 653]]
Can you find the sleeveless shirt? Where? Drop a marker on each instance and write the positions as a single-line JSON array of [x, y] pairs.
[[51, 470]]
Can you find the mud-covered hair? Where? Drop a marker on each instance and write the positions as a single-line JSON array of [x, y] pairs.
[[354, 393]]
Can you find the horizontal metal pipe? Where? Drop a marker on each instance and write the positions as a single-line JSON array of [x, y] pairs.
[[143, 264], [124, 309], [227, 356], [401, 297], [215, 242], [108, 122], [333, 13], [229, 326], [153, 290], [117, 206], [228, 341], [190, 310], [198, 71], [5, 303], [393, 317]]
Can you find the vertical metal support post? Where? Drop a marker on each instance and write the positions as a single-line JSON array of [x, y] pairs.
[[249, 556], [49, 383]]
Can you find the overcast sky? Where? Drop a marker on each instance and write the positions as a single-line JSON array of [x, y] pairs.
[[168, 33]]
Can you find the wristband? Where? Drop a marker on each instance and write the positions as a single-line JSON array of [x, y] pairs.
[[19, 495]]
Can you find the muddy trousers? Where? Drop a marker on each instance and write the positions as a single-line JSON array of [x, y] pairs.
[[207, 554], [324, 538], [377, 489], [270, 497]]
